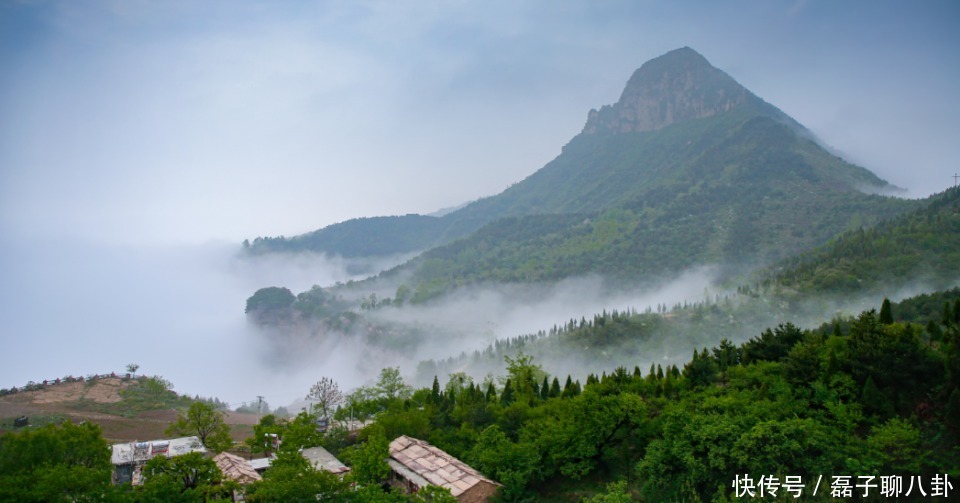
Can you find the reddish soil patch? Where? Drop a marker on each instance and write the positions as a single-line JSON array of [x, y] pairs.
[[105, 390]]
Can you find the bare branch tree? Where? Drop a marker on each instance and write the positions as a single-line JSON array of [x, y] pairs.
[[326, 396]]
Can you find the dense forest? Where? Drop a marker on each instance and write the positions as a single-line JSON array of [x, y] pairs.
[[873, 395], [918, 247], [874, 398]]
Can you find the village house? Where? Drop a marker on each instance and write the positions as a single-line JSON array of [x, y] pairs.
[[416, 464], [128, 458], [235, 468]]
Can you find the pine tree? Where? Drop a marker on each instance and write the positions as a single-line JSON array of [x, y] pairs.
[[568, 388], [667, 386], [591, 379], [554, 388], [435, 391], [491, 392], [506, 398], [545, 389], [886, 313]]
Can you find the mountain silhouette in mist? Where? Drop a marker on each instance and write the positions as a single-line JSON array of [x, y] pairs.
[[688, 167]]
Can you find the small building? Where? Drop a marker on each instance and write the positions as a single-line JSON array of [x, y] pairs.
[[236, 468], [416, 464], [128, 458], [321, 459]]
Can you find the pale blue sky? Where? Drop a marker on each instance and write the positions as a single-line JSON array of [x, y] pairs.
[[187, 121], [134, 132]]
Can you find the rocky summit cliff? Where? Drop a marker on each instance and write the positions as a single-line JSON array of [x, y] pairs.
[[677, 86]]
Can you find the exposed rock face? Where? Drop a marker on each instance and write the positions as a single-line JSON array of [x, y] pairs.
[[678, 86]]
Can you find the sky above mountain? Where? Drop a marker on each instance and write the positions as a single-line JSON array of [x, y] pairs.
[[179, 121]]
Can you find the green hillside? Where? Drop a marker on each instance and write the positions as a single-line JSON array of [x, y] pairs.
[[681, 128], [361, 237], [687, 168], [752, 193], [919, 247]]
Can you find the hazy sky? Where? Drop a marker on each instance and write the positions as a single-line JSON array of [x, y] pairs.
[[141, 141], [159, 121]]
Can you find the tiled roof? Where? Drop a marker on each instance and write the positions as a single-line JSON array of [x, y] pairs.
[[236, 468], [434, 465]]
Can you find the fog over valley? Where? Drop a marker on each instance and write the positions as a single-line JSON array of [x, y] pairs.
[[142, 142]]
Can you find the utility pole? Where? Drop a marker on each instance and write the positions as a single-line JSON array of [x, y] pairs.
[[259, 405], [955, 177]]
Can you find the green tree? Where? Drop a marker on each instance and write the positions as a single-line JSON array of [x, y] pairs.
[[368, 461], [390, 385], [894, 447], [506, 398], [435, 391], [524, 375], [292, 478], [55, 463], [187, 477], [512, 464], [579, 430], [555, 388], [301, 432], [207, 423], [886, 312]]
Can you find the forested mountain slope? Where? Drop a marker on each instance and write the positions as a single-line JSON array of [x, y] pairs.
[[686, 147], [920, 247]]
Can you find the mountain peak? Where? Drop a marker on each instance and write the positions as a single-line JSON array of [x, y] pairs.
[[677, 86]]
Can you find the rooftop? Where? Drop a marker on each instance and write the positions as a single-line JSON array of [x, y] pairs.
[[323, 460], [141, 452], [432, 465], [236, 468]]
